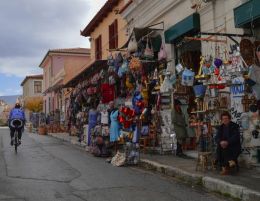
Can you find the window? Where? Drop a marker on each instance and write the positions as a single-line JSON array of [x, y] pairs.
[[98, 47], [113, 35], [45, 105], [49, 104], [37, 87]]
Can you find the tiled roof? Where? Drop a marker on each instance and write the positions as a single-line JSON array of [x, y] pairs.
[[72, 50], [125, 6], [31, 77], [67, 51], [102, 13]]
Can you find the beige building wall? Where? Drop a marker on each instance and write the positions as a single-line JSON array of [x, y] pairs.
[[59, 68], [102, 29], [28, 92], [28, 88], [73, 66]]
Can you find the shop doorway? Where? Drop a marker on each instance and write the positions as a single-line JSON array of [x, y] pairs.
[[188, 54]]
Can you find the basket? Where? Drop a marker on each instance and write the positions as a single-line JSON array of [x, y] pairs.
[[42, 130]]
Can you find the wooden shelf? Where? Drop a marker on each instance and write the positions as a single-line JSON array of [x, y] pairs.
[[226, 84], [208, 111]]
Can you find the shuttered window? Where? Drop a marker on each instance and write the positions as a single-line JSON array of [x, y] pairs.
[[113, 35], [98, 47], [37, 87]]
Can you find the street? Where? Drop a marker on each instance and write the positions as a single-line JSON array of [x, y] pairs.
[[48, 169]]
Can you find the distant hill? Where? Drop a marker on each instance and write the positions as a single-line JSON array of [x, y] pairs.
[[9, 99]]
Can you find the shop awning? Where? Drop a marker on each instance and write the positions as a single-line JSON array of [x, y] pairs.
[[247, 14], [56, 87], [141, 32], [189, 25], [94, 67]]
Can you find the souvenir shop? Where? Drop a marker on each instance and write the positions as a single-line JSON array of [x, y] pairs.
[[226, 80], [157, 108], [115, 104]]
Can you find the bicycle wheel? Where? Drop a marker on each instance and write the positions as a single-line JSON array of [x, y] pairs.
[[15, 142]]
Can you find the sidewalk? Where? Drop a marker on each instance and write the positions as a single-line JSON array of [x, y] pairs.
[[245, 185]]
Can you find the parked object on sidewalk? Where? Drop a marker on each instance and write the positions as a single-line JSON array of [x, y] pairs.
[[119, 159], [42, 130], [205, 161]]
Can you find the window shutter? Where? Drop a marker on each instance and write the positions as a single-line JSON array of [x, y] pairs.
[[96, 48], [115, 34], [100, 47], [111, 36]]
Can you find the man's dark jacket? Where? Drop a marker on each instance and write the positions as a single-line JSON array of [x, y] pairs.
[[233, 138]]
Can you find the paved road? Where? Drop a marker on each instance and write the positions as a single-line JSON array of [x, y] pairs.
[[46, 169]]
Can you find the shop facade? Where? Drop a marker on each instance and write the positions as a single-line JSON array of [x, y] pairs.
[[59, 66], [183, 65], [196, 34]]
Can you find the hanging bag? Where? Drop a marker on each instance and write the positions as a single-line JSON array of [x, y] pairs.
[[135, 64], [148, 52], [162, 53], [132, 45], [110, 60], [118, 61]]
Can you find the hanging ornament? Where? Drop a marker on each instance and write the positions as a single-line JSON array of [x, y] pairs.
[[218, 62]]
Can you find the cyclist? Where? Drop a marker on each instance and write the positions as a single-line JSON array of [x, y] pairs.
[[16, 113]]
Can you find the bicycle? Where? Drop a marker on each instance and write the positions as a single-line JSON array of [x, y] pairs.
[[16, 124]]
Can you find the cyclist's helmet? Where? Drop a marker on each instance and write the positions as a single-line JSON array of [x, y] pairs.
[[17, 105]]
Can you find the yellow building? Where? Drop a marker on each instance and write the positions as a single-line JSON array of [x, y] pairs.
[[107, 30]]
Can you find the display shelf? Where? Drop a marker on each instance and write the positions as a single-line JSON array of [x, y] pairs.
[[211, 110], [226, 84], [201, 111]]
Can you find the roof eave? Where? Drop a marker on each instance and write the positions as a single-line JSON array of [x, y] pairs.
[[60, 53], [102, 13]]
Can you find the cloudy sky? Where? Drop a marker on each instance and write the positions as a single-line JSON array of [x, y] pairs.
[[29, 28]]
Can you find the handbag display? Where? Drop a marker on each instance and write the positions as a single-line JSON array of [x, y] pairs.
[[119, 159], [111, 80], [107, 92], [132, 45], [110, 60], [135, 64], [118, 61], [148, 52], [162, 53]]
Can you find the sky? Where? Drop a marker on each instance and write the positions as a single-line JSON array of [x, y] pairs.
[[29, 28]]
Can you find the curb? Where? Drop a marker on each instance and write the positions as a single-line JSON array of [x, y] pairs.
[[209, 183], [71, 141], [171, 171]]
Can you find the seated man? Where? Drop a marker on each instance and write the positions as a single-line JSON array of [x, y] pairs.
[[16, 113], [228, 143]]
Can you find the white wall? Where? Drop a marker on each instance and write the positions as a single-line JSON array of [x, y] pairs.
[[214, 16]]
